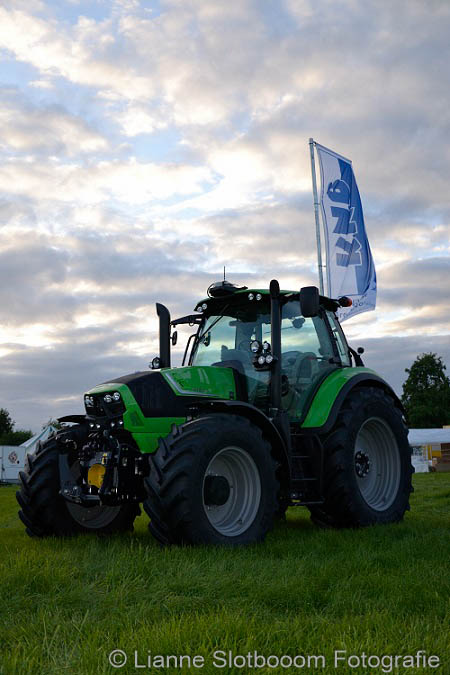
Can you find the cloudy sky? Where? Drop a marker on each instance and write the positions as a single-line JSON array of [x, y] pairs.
[[144, 144]]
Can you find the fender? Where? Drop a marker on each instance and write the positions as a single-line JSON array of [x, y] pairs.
[[261, 420], [329, 397]]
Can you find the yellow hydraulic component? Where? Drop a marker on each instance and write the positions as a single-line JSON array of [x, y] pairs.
[[96, 474]]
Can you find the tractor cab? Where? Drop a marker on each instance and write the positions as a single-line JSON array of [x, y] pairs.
[[234, 330]]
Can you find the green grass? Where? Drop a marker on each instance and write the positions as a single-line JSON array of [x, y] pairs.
[[65, 604]]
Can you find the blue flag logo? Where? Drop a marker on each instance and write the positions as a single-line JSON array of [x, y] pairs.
[[350, 267]]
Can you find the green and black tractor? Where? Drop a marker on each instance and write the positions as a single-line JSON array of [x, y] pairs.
[[271, 408]]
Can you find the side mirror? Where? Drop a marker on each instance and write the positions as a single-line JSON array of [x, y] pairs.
[[174, 338], [309, 301]]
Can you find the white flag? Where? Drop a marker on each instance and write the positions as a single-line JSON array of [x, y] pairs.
[[350, 267]]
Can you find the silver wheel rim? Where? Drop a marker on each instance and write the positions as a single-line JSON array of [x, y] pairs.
[[92, 517], [237, 514], [377, 464]]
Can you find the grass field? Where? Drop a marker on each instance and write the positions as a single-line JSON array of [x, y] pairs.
[[66, 604]]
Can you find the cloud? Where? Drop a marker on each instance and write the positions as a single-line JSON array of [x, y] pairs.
[[101, 215], [49, 130], [129, 181]]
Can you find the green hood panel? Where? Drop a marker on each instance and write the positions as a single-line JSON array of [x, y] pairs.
[[327, 393], [209, 381]]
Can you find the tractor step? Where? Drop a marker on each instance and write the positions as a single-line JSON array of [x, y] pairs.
[[306, 473]]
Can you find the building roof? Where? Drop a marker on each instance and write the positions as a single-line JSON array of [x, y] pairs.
[[428, 436]]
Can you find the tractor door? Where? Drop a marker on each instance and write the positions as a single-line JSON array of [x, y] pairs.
[[308, 355]]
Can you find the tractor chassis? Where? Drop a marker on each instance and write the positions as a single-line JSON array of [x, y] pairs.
[[124, 467]]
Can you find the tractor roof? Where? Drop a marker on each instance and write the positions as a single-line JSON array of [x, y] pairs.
[[222, 293]]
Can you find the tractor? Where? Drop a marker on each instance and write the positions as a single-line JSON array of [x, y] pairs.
[[270, 409]]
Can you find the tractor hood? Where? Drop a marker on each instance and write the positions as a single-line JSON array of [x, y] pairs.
[[152, 401], [155, 391]]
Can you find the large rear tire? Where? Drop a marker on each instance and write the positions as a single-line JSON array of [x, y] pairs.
[[212, 481], [368, 466], [44, 512]]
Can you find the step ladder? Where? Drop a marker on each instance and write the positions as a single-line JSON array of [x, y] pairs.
[[303, 478]]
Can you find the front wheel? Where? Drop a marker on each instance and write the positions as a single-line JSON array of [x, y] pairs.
[[368, 467], [212, 481], [45, 512]]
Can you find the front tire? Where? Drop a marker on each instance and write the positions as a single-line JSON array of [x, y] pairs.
[[212, 481], [368, 467], [44, 512]]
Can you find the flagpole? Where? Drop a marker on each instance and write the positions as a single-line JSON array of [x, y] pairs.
[[316, 214]]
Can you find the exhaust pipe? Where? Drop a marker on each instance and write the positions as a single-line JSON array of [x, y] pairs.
[[164, 335], [275, 322]]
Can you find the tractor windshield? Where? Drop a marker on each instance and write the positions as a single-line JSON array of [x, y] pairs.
[[306, 344], [225, 341]]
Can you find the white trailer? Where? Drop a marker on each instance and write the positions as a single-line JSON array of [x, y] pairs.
[[12, 457], [12, 460]]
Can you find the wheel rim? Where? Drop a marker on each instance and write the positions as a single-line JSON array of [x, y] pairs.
[[92, 517], [377, 464], [238, 512]]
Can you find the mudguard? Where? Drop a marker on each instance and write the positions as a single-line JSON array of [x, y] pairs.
[[329, 397], [279, 445]]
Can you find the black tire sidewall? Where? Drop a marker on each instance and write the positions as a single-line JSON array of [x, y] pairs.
[[53, 516], [366, 408]]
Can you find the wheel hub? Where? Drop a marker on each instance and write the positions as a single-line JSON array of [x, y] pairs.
[[362, 464], [216, 491], [231, 491]]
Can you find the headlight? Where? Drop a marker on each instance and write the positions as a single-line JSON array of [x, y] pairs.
[[116, 396], [108, 398], [251, 296], [258, 296]]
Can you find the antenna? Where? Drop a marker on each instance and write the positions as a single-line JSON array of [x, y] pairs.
[[224, 272]]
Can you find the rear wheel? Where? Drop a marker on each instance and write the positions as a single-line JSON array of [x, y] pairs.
[[212, 481], [45, 512], [367, 463]]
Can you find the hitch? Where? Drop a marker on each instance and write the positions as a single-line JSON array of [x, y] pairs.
[[120, 482]]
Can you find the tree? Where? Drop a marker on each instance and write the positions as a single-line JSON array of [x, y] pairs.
[[6, 423], [7, 434], [53, 423], [426, 393], [15, 437]]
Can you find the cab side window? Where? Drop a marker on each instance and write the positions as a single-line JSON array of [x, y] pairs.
[[307, 357], [340, 339]]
